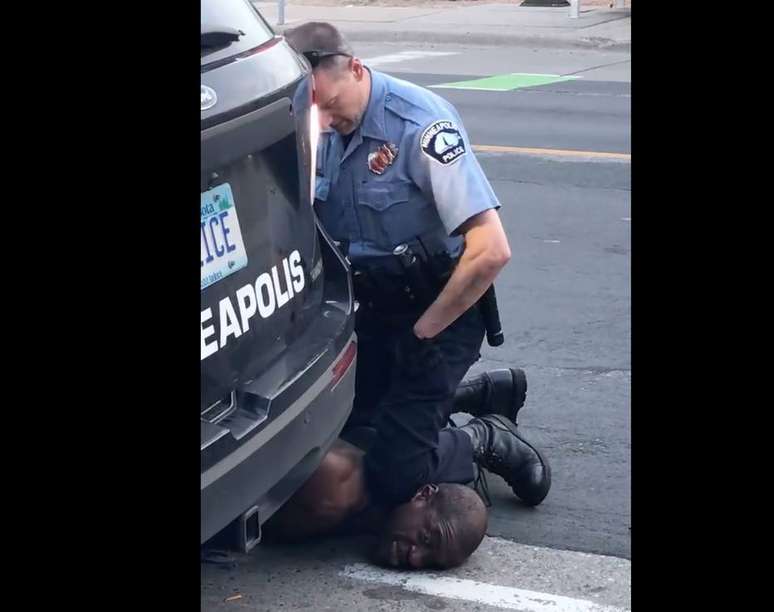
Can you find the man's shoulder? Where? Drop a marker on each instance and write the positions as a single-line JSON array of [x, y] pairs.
[[414, 103]]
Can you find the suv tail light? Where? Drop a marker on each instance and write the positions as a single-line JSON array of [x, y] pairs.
[[342, 365]]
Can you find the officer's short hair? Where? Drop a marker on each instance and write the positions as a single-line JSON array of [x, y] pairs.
[[322, 37]]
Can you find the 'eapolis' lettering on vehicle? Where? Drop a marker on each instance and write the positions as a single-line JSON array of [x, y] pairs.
[[264, 296]]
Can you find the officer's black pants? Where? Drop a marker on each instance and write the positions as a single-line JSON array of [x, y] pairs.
[[412, 447]]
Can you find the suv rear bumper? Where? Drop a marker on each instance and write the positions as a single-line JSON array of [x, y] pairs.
[[272, 465]]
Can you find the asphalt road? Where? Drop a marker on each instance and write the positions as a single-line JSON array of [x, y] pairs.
[[565, 304]]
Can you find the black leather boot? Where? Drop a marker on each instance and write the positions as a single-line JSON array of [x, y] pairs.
[[499, 447], [495, 392]]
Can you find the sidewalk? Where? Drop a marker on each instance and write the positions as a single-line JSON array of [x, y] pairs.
[[475, 24]]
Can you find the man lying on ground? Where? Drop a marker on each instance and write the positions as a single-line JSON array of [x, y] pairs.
[[440, 526]]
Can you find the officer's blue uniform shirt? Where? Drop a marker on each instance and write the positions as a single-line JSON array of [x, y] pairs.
[[433, 186]]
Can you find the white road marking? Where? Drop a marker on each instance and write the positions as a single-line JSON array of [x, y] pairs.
[[626, 218], [470, 590], [552, 241], [404, 56]]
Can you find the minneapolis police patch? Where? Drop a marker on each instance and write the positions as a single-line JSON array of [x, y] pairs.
[[443, 142]]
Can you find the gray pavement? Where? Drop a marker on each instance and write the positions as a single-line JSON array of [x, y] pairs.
[[581, 115], [484, 23], [330, 575], [565, 306], [482, 60]]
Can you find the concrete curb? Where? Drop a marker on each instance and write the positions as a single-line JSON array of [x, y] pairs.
[[479, 38], [490, 39]]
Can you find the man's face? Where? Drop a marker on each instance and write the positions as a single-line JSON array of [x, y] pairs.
[[341, 99], [415, 538]]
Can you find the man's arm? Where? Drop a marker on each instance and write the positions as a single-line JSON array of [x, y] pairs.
[[466, 204], [486, 252]]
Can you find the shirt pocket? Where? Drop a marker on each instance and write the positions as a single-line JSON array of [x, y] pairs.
[[381, 211]]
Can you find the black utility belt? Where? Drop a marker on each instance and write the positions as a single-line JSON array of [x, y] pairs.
[[387, 293], [409, 280], [412, 291]]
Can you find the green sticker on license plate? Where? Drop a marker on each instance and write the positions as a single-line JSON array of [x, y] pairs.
[[223, 250]]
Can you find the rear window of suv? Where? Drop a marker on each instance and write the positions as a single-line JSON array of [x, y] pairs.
[[237, 15]]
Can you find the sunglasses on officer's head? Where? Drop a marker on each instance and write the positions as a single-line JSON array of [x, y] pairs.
[[315, 57]]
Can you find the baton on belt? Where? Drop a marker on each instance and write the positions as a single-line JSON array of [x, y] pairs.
[[487, 304]]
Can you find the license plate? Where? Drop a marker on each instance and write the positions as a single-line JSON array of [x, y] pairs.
[[223, 250]]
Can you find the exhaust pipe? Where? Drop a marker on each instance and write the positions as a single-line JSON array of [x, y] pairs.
[[248, 530]]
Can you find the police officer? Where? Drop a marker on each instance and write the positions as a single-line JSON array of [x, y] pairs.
[[395, 170]]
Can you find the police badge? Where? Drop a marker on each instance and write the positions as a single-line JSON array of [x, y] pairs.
[[382, 158]]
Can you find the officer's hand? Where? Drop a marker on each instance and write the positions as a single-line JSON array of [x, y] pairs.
[[416, 357]]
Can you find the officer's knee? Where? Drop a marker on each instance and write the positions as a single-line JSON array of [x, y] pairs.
[[399, 480]]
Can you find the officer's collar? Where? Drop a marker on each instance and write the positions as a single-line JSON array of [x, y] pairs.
[[372, 125]]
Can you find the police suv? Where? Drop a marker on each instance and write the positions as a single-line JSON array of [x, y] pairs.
[[277, 317]]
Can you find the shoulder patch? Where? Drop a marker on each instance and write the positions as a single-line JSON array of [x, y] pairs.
[[443, 142]]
